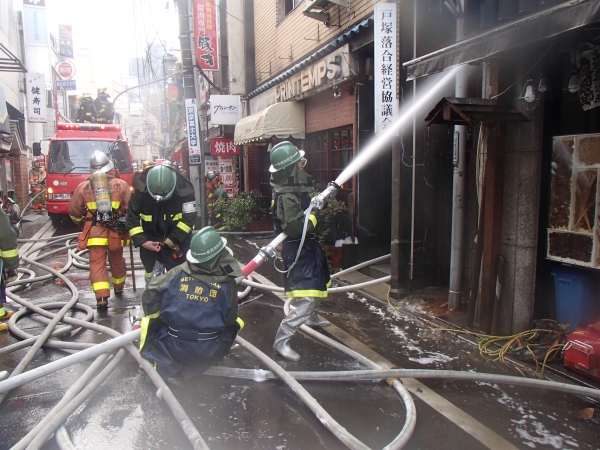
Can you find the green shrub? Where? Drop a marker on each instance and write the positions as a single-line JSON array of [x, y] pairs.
[[237, 213]]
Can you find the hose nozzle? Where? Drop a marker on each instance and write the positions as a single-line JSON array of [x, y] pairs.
[[328, 194]]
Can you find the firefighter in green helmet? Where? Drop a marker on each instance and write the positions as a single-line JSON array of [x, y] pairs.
[[191, 315], [307, 276], [160, 217]]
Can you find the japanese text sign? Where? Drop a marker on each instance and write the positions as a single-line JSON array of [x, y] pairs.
[[34, 24], [193, 135], [225, 109], [223, 147], [386, 70], [35, 85], [206, 33]]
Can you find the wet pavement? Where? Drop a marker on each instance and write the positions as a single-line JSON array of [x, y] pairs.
[[125, 413]]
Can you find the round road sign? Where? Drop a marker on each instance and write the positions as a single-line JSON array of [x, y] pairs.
[[65, 69]]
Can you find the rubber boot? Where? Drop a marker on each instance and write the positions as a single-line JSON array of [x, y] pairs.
[[314, 320], [282, 343], [102, 304]]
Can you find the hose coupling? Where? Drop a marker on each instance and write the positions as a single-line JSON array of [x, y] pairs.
[[267, 252]]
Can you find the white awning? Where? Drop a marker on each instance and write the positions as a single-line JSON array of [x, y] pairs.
[[282, 120]]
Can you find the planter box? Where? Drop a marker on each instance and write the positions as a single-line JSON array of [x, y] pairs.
[[261, 225]]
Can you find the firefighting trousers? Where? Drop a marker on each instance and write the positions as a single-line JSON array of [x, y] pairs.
[[99, 271]]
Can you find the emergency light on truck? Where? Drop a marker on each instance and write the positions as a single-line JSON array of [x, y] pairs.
[[87, 127]]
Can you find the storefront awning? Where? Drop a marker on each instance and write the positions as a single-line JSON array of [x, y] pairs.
[[548, 23], [282, 120], [467, 111]]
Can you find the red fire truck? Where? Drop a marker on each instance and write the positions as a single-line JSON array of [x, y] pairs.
[[68, 161]]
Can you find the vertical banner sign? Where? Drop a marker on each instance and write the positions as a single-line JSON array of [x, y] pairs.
[[386, 70], [206, 33], [588, 77], [65, 39], [191, 115], [34, 23], [229, 174], [223, 147], [35, 85]]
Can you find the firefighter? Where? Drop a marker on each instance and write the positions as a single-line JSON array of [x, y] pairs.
[[9, 261], [213, 181], [13, 211], [191, 312], [160, 217], [104, 107], [307, 277], [36, 177], [96, 206], [87, 111], [216, 216], [146, 164]]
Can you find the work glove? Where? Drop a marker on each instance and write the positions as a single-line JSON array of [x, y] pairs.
[[168, 242], [176, 252]]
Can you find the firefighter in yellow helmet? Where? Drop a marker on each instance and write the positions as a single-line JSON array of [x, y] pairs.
[[87, 111], [36, 185], [104, 107], [96, 206]]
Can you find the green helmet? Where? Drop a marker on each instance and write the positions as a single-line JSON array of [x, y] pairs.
[[161, 182], [284, 155], [205, 245], [219, 192]]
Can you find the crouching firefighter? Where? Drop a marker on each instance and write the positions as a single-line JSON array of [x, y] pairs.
[[98, 206], [307, 276], [191, 311], [160, 217]]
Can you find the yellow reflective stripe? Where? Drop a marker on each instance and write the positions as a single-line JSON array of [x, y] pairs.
[[240, 322], [136, 230], [125, 243], [328, 283], [118, 280], [76, 219], [9, 253], [144, 330], [147, 274], [313, 219], [91, 205], [115, 205], [146, 217], [306, 293], [2, 312], [184, 227], [154, 315], [177, 216], [100, 285], [97, 241]]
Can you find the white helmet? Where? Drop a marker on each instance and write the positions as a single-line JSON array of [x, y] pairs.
[[99, 161]]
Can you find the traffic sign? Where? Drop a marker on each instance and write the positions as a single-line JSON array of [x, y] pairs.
[[66, 85], [65, 69]]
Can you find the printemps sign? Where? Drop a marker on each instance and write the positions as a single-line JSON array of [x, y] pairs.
[[327, 70]]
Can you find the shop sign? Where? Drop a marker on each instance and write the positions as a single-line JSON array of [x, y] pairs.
[[35, 86], [211, 164], [191, 115], [225, 109], [386, 66], [206, 34], [325, 71], [588, 63], [34, 24], [66, 85], [229, 174], [223, 147], [65, 37], [65, 69]]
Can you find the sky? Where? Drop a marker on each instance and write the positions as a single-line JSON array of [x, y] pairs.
[[115, 30]]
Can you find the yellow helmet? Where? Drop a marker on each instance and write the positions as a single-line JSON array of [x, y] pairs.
[[101, 90], [86, 95], [147, 164]]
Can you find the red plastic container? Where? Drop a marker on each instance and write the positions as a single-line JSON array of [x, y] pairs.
[[582, 352]]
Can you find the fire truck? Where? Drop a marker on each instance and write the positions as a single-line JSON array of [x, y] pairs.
[[68, 161]]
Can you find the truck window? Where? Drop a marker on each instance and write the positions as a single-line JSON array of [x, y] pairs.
[[74, 156]]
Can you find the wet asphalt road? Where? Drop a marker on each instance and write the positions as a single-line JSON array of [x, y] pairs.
[[124, 413]]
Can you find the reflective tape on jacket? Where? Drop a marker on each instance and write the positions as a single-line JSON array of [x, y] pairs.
[[97, 241], [9, 253], [91, 205], [240, 322], [146, 217], [136, 230], [118, 280], [177, 216], [76, 219], [184, 227], [306, 293], [115, 205], [125, 243], [144, 330], [100, 285]]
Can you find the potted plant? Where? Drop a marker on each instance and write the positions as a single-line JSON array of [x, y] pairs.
[[237, 213]]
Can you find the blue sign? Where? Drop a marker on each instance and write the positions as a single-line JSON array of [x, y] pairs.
[[66, 85]]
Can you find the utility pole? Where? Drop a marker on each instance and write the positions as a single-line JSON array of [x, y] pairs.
[[189, 92]]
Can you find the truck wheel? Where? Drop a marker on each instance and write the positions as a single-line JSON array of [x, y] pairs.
[[56, 220]]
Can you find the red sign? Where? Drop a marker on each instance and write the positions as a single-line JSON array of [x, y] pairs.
[[65, 69], [206, 34], [223, 147]]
